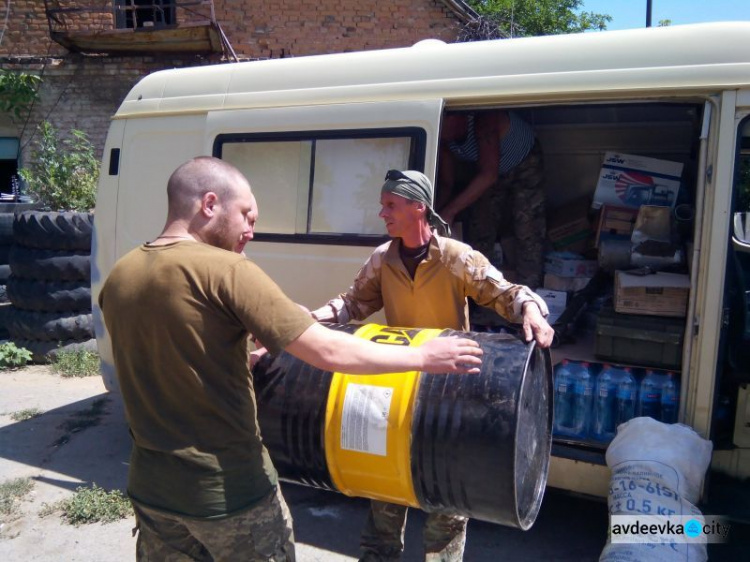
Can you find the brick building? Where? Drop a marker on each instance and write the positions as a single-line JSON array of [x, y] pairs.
[[89, 53]]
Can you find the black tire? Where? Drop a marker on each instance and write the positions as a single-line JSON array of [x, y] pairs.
[[50, 265], [5, 313], [5, 252], [59, 296], [46, 351], [6, 229], [4, 273], [3, 295], [49, 326], [53, 231]]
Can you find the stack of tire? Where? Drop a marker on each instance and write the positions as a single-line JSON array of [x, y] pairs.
[[7, 212], [50, 283]]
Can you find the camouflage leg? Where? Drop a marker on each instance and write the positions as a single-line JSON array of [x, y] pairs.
[[484, 220], [383, 536], [165, 538], [262, 533], [530, 227], [444, 538]]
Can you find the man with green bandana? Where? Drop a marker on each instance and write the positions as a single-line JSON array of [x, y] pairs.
[[422, 278]]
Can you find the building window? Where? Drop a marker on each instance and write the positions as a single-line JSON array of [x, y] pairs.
[[136, 14]]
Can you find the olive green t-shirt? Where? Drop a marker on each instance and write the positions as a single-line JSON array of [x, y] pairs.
[[179, 317]]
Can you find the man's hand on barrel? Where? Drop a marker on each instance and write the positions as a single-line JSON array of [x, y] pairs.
[[535, 326], [451, 355]]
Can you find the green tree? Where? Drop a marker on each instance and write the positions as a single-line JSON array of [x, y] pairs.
[[512, 18], [18, 91]]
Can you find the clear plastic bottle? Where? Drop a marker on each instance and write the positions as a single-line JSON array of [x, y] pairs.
[[649, 396], [605, 396], [670, 398], [627, 397], [583, 399], [563, 402]]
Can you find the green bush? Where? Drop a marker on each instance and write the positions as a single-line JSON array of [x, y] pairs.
[[12, 357], [63, 174], [94, 505], [80, 363], [10, 492], [18, 92]]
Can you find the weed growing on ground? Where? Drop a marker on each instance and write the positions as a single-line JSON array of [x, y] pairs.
[[12, 357], [10, 492], [26, 414], [91, 505], [80, 363]]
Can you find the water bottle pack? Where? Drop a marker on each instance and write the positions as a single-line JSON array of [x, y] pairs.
[[591, 400]]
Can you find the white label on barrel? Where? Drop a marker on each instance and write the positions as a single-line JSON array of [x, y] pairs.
[[364, 420]]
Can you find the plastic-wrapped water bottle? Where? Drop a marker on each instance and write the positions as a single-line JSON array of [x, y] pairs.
[[583, 399], [605, 396], [627, 393], [649, 396], [563, 422], [670, 398]]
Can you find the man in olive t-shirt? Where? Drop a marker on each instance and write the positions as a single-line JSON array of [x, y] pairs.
[[179, 311]]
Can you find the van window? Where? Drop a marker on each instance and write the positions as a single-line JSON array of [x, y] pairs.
[[322, 184]]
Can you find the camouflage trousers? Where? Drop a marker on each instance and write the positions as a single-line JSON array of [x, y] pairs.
[[518, 197], [444, 536], [263, 532]]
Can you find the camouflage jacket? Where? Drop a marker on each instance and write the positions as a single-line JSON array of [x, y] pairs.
[[436, 297]]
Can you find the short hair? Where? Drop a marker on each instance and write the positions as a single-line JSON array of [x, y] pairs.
[[198, 176]]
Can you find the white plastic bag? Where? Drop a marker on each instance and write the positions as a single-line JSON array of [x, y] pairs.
[[657, 470]]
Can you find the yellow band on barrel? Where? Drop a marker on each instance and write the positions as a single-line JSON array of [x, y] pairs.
[[368, 424]]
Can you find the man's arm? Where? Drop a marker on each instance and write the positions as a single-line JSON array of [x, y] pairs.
[[488, 128], [338, 351], [516, 303]]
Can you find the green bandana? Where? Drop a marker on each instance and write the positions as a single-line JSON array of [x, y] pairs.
[[415, 186]]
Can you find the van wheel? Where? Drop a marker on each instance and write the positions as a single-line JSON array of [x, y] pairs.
[[49, 326], [5, 253], [46, 351], [50, 265], [53, 231], [56, 296]]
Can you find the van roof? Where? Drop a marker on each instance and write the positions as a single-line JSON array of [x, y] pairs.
[[688, 58]]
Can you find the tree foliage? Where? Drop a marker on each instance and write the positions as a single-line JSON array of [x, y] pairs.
[[18, 91], [513, 18], [63, 174]]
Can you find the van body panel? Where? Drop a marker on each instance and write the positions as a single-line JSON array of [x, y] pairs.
[[563, 67], [676, 93]]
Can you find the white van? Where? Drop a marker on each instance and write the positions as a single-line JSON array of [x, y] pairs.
[[315, 135]]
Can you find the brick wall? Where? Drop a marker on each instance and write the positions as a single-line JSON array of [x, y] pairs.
[[84, 91]]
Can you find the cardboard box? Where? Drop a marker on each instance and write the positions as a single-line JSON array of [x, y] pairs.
[[615, 221], [659, 294], [568, 264], [556, 302], [627, 180], [568, 284], [569, 227]]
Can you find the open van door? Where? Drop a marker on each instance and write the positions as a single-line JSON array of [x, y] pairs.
[[316, 172], [728, 490]]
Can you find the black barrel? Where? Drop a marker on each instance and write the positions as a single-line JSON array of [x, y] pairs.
[[480, 444]]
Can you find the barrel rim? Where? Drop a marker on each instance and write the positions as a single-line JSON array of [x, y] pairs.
[[525, 522]]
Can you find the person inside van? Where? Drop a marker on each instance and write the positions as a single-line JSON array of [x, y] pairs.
[[179, 311], [504, 185], [422, 279]]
